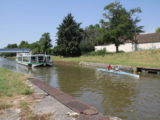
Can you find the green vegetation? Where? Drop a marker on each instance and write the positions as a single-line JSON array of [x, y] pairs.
[[42, 46], [69, 37], [11, 83], [45, 43], [158, 30], [120, 24], [93, 35], [98, 53], [146, 58]]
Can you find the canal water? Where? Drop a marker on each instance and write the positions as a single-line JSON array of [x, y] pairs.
[[116, 95]]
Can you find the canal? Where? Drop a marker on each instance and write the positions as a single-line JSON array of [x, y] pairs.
[[116, 95]]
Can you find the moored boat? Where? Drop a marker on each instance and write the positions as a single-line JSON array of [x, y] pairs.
[[34, 60]]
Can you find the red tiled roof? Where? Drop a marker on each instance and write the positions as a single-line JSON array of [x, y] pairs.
[[149, 38]]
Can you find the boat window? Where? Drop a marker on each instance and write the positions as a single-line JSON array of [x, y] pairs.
[[25, 59], [33, 59], [19, 58], [40, 58]]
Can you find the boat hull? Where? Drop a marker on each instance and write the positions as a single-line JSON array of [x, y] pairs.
[[118, 72], [35, 64]]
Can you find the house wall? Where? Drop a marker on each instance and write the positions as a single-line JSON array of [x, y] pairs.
[[129, 47]]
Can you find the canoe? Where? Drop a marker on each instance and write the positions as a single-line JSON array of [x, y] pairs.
[[118, 72]]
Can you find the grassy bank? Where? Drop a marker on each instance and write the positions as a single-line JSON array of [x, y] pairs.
[[11, 83], [12, 88], [14, 94], [146, 58]]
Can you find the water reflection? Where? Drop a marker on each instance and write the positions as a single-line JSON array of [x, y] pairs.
[[112, 94]]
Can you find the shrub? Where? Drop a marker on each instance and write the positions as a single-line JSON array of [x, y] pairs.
[[27, 92], [98, 53]]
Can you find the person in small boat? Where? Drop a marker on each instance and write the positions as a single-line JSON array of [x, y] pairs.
[[108, 67], [117, 68]]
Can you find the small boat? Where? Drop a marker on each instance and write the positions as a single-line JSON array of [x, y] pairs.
[[34, 60], [118, 72]]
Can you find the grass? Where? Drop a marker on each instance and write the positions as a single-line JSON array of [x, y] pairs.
[[5, 106], [13, 88], [11, 83], [146, 58], [27, 114]]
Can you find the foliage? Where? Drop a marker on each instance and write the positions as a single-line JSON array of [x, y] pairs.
[[42, 46], [35, 47], [93, 35], [12, 46], [69, 37], [45, 43], [27, 92], [86, 46], [158, 30], [98, 53], [24, 44], [120, 25]]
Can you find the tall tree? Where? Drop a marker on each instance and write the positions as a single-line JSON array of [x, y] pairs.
[[119, 24], [45, 43], [69, 37], [158, 30]]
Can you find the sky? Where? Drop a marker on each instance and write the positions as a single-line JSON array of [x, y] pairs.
[[29, 19]]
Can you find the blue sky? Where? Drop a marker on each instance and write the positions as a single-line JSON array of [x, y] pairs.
[[29, 19]]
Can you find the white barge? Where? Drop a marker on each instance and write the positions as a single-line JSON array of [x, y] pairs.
[[34, 60]]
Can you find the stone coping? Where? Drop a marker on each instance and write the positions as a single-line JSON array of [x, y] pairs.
[[87, 112]]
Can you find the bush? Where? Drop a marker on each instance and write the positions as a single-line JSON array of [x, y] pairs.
[[98, 53], [27, 92]]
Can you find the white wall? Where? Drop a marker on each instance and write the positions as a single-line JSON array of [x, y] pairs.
[[129, 47], [146, 46]]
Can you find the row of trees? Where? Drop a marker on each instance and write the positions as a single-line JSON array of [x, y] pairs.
[[42, 46], [117, 26]]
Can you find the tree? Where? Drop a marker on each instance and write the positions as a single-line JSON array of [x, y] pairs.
[[45, 43], [158, 30], [136, 30], [119, 24], [11, 46], [69, 36], [24, 44], [35, 47]]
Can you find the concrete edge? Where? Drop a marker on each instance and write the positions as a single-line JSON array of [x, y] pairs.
[[87, 112]]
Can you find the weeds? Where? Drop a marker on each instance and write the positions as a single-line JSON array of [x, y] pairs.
[[4, 106]]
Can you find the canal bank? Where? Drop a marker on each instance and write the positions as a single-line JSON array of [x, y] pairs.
[[112, 94], [120, 67], [42, 103], [145, 58]]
